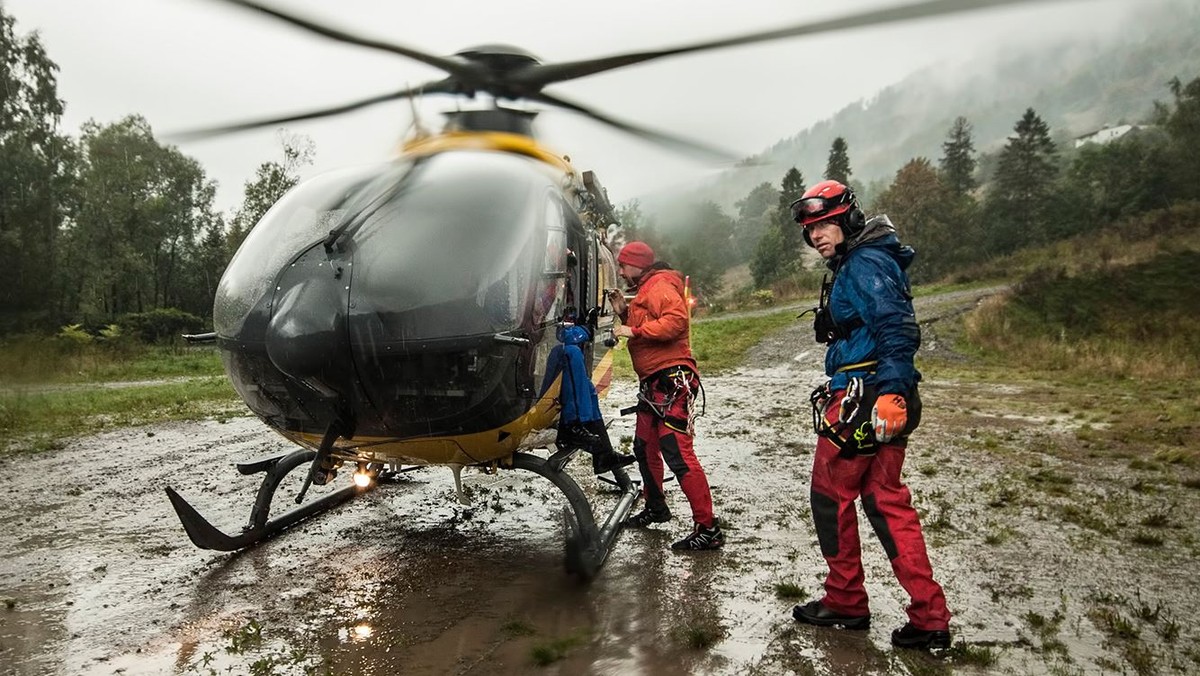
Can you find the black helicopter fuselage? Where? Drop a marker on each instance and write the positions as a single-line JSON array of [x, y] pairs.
[[412, 307]]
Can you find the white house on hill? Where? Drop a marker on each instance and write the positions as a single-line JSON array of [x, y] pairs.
[[1107, 134]]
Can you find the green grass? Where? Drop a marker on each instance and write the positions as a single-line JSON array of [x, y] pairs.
[[554, 650], [790, 591], [27, 360], [37, 420], [720, 343]]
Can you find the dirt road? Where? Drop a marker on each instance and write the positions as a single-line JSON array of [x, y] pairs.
[[1054, 560]]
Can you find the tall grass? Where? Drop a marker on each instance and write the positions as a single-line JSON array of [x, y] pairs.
[[1122, 244], [1136, 321], [35, 419], [43, 359]]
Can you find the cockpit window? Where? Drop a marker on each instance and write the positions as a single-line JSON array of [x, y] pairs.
[[452, 252], [303, 216]]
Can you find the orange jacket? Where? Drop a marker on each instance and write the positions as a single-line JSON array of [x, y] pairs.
[[660, 321]]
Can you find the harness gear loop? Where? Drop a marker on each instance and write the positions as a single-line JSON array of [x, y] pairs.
[[853, 418], [675, 382], [850, 403]]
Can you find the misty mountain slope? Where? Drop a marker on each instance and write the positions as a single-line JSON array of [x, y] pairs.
[[1076, 87]]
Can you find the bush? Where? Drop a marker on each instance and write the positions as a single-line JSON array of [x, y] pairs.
[[764, 297], [161, 325]]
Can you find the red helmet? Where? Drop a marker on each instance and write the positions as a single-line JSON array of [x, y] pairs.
[[828, 200]]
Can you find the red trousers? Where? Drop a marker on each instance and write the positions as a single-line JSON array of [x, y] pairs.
[[836, 484], [667, 438]]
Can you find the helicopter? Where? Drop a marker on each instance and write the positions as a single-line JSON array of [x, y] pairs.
[[403, 315]]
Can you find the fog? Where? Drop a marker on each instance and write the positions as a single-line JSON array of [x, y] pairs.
[[194, 63]]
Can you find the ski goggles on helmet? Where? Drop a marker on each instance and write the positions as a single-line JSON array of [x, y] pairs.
[[809, 209]]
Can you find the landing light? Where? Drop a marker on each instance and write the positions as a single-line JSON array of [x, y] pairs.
[[362, 479]]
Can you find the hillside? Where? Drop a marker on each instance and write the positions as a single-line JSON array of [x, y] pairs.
[[1076, 87]]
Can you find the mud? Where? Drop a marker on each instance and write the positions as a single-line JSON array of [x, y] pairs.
[[1053, 561]]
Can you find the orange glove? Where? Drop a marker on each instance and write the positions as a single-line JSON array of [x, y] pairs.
[[889, 416]]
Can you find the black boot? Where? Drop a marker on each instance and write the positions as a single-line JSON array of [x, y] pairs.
[[575, 436], [909, 636], [815, 613], [610, 461]]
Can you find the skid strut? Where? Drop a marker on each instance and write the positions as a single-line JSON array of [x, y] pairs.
[[587, 543], [207, 536]]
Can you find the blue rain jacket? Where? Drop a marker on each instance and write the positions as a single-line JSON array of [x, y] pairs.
[[577, 394], [870, 283]]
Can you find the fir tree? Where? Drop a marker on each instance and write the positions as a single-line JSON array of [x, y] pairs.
[[838, 167], [1020, 201], [958, 162]]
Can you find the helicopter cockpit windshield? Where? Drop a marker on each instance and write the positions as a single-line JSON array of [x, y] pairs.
[[303, 216], [453, 252]]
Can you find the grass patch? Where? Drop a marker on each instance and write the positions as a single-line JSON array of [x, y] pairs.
[[514, 628], [790, 591], [249, 643], [30, 360], [1146, 539], [554, 650], [720, 343], [38, 419], [972, 654], [700, 634]]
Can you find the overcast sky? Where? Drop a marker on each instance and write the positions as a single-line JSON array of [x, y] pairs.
[[193, 63]]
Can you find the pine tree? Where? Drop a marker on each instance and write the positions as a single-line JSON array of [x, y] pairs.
[[778, 250], [958, 162], [838, 167], [792, 187], [1020, 201]]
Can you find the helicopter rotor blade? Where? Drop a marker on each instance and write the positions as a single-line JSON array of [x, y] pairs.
[[545, 74], [446, 86], [678, 143], [465, 71]]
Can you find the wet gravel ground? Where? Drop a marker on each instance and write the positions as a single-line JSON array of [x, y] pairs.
[[1053, 561]]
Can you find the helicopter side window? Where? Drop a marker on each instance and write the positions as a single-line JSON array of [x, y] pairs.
[[554, 289]]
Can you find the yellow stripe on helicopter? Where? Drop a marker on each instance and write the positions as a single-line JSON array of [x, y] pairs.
[[486, 140]]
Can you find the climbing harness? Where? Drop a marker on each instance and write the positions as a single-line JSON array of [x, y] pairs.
[[674, 382], [852, 432]]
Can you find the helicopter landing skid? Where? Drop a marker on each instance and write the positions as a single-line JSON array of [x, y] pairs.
[[587, 544], [206, 536]]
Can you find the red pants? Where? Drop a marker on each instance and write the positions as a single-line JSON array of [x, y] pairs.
[[667, 438], [836, 483]]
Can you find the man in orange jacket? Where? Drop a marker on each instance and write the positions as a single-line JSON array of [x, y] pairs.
[[656, 322]]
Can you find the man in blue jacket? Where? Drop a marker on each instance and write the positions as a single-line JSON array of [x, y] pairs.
[[863, 417]]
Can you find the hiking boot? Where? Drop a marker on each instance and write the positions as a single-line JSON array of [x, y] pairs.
[[575, 436], [611, 461], [702, 538], [814, 612], [909, 636], [646, 517]]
